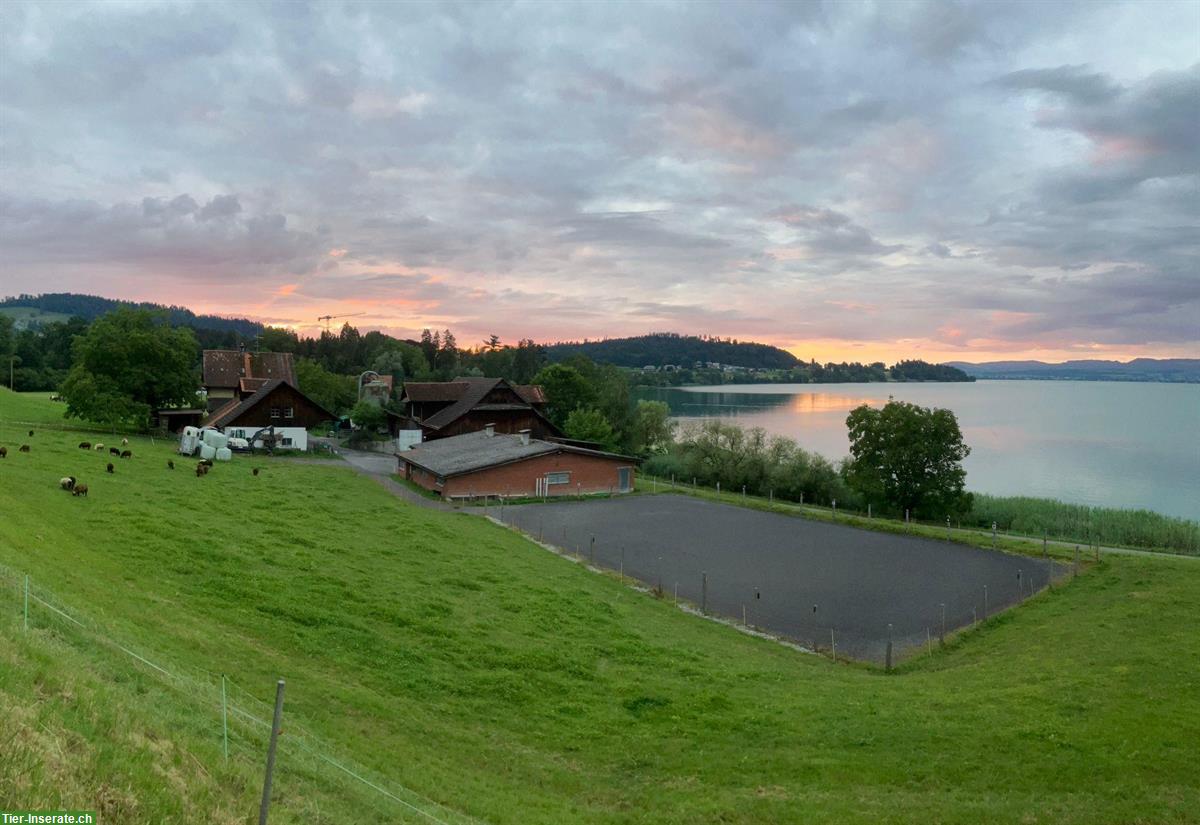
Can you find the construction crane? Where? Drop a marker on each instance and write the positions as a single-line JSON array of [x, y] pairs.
[[328, 318]]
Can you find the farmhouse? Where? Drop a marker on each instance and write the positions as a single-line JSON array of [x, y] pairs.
[[491, 463], [467, 405], [235, 373], [276, 406]]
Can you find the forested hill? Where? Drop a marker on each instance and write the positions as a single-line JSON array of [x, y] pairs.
[[660, 349], [91, 307]]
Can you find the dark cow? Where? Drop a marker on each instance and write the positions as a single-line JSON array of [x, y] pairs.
[[24, 448], [85, 445], [170, 464], [113, 451], [126, 454], [109, 468], [80, 490]]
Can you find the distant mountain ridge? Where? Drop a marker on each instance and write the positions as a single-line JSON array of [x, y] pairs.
[[91, 307], [1166, 370]]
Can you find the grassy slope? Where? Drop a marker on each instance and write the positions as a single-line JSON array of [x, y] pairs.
[[458, 659]]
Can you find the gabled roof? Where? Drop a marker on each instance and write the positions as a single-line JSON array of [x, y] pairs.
[[235, 407], [423, 391], [426, 391], [467, 453], [225, 367]]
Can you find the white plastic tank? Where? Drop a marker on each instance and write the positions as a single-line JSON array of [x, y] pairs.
[[207, 452], [189, 438], [224, 454]]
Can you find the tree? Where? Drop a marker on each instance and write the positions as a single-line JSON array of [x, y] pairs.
[[368, 417], [129, 363], [589, 424], [905, 457], [336, 393], [566, 390], [653, 430]]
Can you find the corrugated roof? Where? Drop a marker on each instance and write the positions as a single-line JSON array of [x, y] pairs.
[[467, 453], [225, 367]]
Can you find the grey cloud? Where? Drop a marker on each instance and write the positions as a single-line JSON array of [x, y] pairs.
[[164, 235], [1075, 82]]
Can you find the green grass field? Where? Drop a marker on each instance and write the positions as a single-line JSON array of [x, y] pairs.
[[451, 657]]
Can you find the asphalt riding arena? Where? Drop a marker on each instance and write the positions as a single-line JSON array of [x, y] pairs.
[[792, 577]]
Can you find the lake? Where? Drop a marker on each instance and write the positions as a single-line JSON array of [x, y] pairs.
[[1109, 444]]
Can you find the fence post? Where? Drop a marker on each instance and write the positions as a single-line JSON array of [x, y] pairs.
[[832, 644], [906, 525], [743, 491], [592, 551], [266, 797], [771, 495], [704, 592], [1043, 545], [888, 662], [224, 720], [985, 603], [718, 489], [1075, 572], [801, 498], [868, 509], [942, 635], [26, 601], [947, 528], [1020, 589], [993, 535], [677, 594], [835, 509]]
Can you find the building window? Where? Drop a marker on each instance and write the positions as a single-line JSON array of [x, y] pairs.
[[287, 442], [274, 412], [288, 412], [558, 478]]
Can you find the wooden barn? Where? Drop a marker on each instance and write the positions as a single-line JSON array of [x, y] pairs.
[[236, 373], [467, 405], [275, 404]]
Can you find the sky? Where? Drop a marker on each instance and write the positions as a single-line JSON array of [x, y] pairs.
[[848, 180]]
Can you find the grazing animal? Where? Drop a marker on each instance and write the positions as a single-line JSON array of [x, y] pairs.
[[3, 452], [124, 442], [24, 448], [255, 471], [170, 464], [67, 483], [98, 447], [110, 467], [201, 470], [113, 451], [79, 490], [85, 445], [126, 454], [31, 433], [207, 462]]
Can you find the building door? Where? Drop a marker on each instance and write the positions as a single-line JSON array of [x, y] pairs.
[[625, 479]]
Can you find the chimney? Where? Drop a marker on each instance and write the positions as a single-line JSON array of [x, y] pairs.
[[524, 437], [246, 371], [490, 429]]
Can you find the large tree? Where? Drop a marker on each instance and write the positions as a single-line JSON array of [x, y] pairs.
[[566, 390], [906, 457], [129, 363]]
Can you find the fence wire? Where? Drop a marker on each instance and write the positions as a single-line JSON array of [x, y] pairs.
[[205, 688]]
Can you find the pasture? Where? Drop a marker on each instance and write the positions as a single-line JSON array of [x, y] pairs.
[[453, 657]]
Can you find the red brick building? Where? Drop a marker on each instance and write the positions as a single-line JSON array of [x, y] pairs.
[[490, 463], [467, 405]]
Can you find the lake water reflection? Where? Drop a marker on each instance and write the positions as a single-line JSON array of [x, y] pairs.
[[1101, 443]]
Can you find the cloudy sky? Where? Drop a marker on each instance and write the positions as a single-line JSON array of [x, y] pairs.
[[846, 179]]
